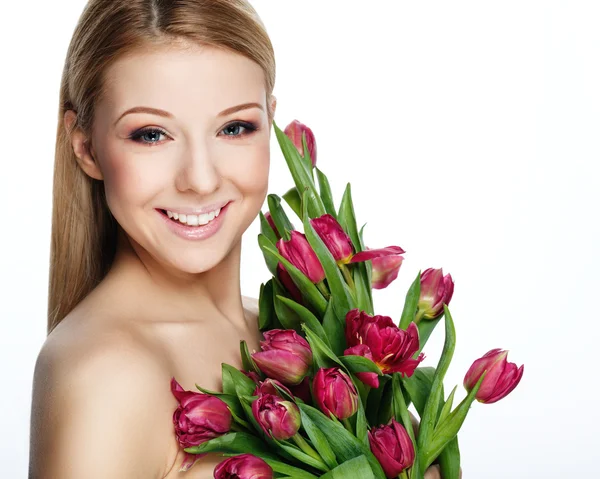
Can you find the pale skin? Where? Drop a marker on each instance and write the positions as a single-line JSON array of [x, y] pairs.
[[169, 307]]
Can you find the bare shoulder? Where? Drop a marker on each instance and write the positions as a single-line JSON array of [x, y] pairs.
[[99, 394]]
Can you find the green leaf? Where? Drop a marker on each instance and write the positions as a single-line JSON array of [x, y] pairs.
[[319, 441], [230, 399], [247, 362], [286, 316], [301, 456], [426, 327], [270, 260], [418, 387], [361, 422], [325, 193], [237, 382], [309, 291], [297, 167], [290, 471], [266, 309], [410, 304], [344, 445], [364, 301], [335, 330], [447, 406], [308, 163], [360, 364], [449, 460], [342, 299], [265, 228], [375, 400], [322, 355], [400, 411], [356, 468], [306, 316], [283, 224], [293, 200], [234, 442], [430, 413]]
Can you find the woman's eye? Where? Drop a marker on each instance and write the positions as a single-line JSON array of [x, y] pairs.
[[148, 136], [233, 129]]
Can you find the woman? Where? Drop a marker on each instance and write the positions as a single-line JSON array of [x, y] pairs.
[[162, 163]]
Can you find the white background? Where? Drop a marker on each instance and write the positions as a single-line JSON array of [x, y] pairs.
[[469, 132]]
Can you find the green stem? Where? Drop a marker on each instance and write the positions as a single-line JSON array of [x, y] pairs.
[[347, 276], [419, 316], [302, 444], [403, 475], [323, 289]]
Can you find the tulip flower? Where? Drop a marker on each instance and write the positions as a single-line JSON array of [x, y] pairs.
[[269, 219], [500, 379], [335, 393], [370, 379], [302, 390], [198, 418], [294, 132], [376, 253], [243, 466], [278, 418], [385, 270], [268, 387], [299, 252], [335, 238], [392, 447], [285, 356], [436, 290], [390, 347]]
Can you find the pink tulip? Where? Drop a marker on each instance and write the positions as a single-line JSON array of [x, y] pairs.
[[285, 356], [390, 347], [370, 379], [198, 418], [385, 270], [298, 252], [392, 447], [294, 132], [334, 392], [278, 418], [500, 379], [268, 387], [376, 253], [335, 238], [243, 466], [436, 290]]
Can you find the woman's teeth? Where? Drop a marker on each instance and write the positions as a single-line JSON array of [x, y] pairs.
[[193, 220]]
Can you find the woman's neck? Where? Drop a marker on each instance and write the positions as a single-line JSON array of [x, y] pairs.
[[214, 291]]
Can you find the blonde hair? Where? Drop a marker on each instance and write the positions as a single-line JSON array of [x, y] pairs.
[[84, 233]]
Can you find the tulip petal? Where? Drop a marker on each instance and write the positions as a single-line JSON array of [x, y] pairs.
[[376, 253]]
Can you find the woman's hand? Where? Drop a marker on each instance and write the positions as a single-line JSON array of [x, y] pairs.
[[432, 472]]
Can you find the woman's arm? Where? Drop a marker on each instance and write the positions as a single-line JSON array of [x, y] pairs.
[[99, 413]]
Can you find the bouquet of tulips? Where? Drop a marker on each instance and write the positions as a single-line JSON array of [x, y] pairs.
[[328, 394]]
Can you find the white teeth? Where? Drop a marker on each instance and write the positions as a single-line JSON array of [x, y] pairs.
[[194, 220]]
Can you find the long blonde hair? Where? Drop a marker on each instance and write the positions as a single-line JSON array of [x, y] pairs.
[[84, 233]]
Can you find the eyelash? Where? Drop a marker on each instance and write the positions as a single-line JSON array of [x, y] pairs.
[[137, 136]]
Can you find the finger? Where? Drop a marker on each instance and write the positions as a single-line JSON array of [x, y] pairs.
[[433, 473]]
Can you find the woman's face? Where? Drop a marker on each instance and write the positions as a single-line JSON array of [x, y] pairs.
[[184, 132]]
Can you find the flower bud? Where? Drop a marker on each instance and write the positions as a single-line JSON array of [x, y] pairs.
[[277, 417], [500, 379], [243, 466], [335, 238], [335, 393], [268, 387], [294, 132], [298, 252], [436, 290], [199, 417], [392, 447], [285, 356], [288, 282]]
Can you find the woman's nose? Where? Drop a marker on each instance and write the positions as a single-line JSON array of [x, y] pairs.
[[198, 171]]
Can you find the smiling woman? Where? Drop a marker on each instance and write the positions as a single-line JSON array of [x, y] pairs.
[[162, 163]]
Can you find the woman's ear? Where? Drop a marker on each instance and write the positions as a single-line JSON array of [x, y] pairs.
[[81, 147]]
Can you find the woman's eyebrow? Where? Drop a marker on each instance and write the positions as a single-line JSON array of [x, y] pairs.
[[166, 114]]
